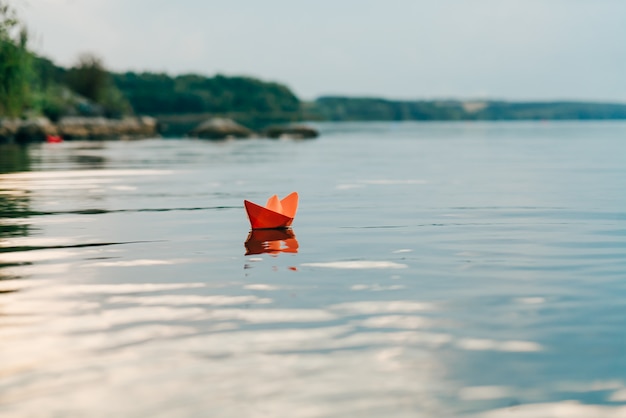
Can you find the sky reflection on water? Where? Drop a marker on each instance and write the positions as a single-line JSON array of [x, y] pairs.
[[439, 270]]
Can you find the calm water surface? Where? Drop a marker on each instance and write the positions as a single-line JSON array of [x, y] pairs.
[[433, 270]]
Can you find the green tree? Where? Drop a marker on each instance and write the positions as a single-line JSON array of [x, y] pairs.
[[15, 63], [88, 78]]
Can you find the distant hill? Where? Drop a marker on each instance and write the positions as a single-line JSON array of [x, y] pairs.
[[338, 108]]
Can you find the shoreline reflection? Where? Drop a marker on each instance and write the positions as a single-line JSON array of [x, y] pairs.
[[271, 241]]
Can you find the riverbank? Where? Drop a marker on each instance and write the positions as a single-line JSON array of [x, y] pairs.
[[72, 128], [94, 128]]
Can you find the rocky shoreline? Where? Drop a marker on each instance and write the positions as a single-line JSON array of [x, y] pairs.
[[76, 128], [95, 128]]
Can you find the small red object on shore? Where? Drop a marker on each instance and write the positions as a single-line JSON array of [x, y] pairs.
[[276, 213], [53, 139]]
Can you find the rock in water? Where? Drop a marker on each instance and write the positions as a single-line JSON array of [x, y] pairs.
[[292, 131], [220, 128]]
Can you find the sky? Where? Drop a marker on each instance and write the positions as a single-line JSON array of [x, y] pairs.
[[402, 49]]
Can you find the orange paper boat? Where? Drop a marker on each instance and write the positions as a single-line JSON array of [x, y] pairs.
[[276, 213]]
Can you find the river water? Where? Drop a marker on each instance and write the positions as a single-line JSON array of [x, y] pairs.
[[433, 270]]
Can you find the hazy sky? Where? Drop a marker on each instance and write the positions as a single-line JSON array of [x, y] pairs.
[[504, 49]]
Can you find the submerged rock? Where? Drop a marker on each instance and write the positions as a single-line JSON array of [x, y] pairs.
[[291, 131], [220, 128]]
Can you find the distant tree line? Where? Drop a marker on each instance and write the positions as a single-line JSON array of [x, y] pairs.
[[363, 109], [118, 94], [154, 93], [498, 110]]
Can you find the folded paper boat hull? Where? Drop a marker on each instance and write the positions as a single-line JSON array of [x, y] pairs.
[[262, 218], [266, 218]]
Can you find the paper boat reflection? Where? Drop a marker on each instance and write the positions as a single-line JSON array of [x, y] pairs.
[[271, 241], [276, 213]]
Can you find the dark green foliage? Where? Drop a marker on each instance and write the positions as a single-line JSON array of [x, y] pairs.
[[15, 63], [47, 73], [88, 78], [114, 103], [91, 80], [346, 108], [151, 93], [49, 95], [56, 101]]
